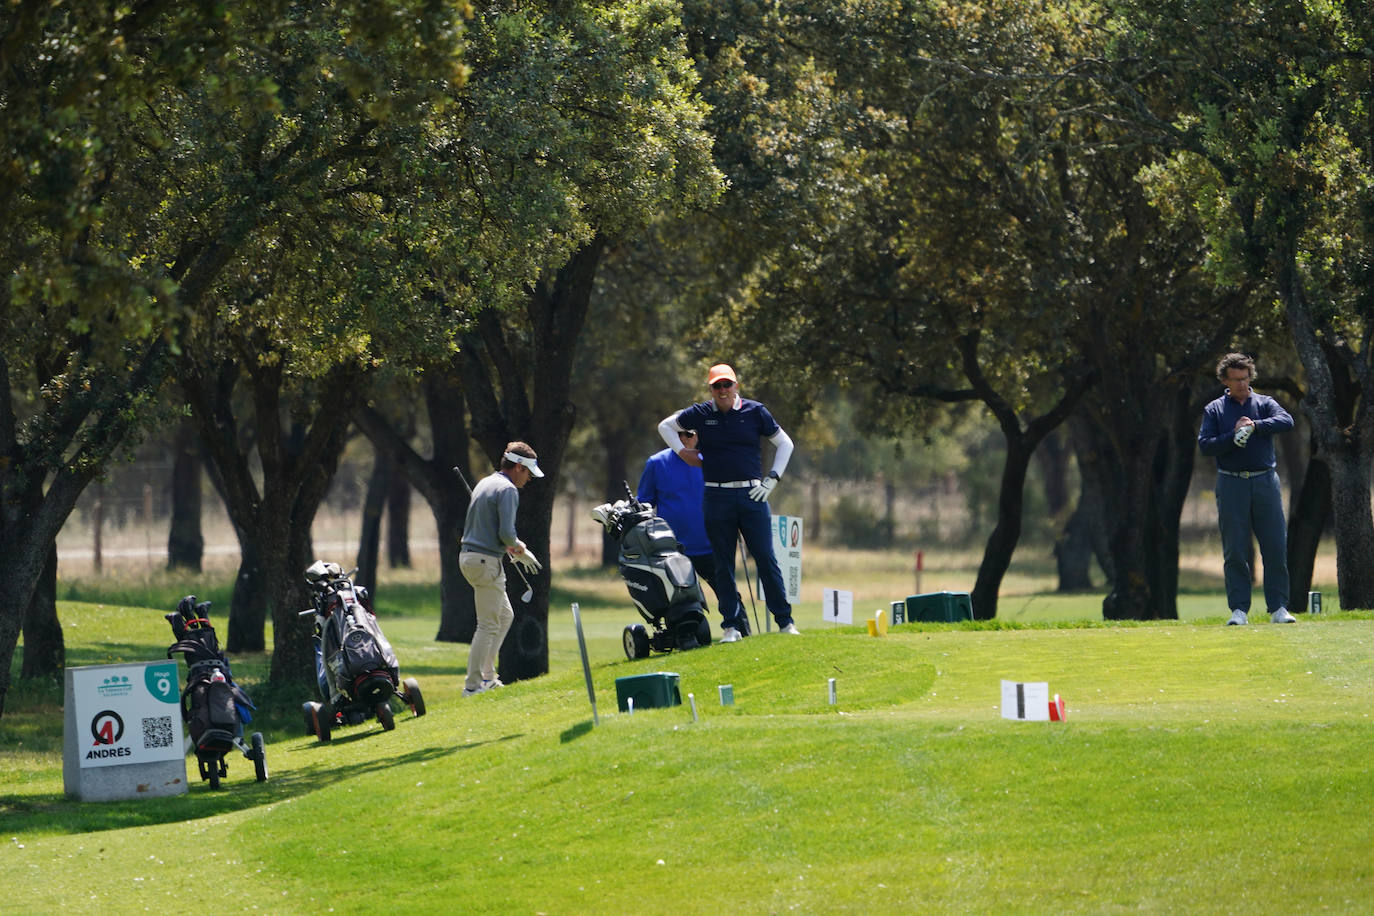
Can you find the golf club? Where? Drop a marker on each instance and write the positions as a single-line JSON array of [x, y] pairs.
[[744, 561], [528, 594]]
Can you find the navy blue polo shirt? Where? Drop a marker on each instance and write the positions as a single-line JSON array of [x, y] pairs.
[[729, 441], [1215, 437]]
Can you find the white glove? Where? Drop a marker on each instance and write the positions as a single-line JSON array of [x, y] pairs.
[[521, 556], [1243, 435], [761, 492]]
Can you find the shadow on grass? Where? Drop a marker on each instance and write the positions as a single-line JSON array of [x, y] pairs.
[[57, 814], [577, 731]]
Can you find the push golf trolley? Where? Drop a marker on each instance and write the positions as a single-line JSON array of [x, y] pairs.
[[213, 707], [356, 667], [660, 578]]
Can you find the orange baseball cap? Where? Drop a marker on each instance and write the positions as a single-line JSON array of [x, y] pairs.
[[719, 372]]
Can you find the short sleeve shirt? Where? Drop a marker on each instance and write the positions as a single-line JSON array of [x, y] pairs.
[[729, 440]]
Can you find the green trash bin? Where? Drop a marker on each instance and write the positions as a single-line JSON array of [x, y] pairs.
[[939, 607], [649, 691]]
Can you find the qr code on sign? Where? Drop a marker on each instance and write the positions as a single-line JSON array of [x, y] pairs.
[[158, 732]]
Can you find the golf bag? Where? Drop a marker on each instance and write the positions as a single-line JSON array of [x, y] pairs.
[[213, 707], [356, 667], [660, 579]]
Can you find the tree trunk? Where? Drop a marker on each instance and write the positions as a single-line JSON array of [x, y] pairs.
[[398, 523], [45, 652], [448, 496], [185, 543], [1053, 458], [1021, 446], [273, 523], [1136, 442], [1306, 522], [1354, 530], [1345, 447], [246, 630], [370, 538], [443, 489], [1128, 502], [1006, 532], [23, 557], [615, 448], [1073, 553], [37, 500], [1085, 532], [458, 615], [1172, 476], [289, 547], [557, 311], [813, 524], [889, 512]]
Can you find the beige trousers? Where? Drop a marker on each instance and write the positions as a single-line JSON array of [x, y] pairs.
[[494, 614]]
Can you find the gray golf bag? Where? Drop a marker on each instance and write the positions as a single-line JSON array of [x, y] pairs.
[[355, 666], [660, 578]]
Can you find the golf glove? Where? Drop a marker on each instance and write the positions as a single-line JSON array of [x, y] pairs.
[[520, 555], [1243, 435], [761, 492]]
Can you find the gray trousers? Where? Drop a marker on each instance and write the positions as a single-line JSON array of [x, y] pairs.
[[1245, 505]]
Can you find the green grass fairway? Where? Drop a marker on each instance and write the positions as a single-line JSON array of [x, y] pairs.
[[1203, 769]]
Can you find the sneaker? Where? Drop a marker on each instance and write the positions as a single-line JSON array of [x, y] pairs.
[[480, 688], [791, 630], [1282, 616], [492, 684], [1239, 618], [729, 634]]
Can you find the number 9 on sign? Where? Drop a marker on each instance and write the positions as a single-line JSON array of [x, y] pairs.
[[161, 681]]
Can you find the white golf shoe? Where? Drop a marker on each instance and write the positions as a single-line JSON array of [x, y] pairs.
[[1282, 616], [791, 630], [1239, 618], [729, 634]]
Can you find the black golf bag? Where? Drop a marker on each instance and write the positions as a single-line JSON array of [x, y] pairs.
[[660, 578], [213, 707], [356, 668]]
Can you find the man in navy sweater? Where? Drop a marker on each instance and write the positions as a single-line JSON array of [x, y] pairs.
[[730, 430], [1238, 431]]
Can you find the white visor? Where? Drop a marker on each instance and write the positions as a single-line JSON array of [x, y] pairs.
[[530, 463]]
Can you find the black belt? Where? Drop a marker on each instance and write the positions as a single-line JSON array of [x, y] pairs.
[[1244, 475], [733, 484]]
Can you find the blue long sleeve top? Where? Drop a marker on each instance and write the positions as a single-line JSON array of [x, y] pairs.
[[1215, 437]]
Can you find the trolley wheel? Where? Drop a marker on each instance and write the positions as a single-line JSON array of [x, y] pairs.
[[413, 697], [636, 642], [386, 716], [259, 757], [324, 721], [308, 713], [212, 773]]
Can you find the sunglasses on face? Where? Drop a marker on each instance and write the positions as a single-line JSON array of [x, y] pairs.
[[722, 384]]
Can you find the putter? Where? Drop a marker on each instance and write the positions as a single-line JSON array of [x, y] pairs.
[[528, 594]]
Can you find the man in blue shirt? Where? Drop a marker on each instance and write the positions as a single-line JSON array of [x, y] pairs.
[[674, 488], [730, 429], [1238, 430]]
